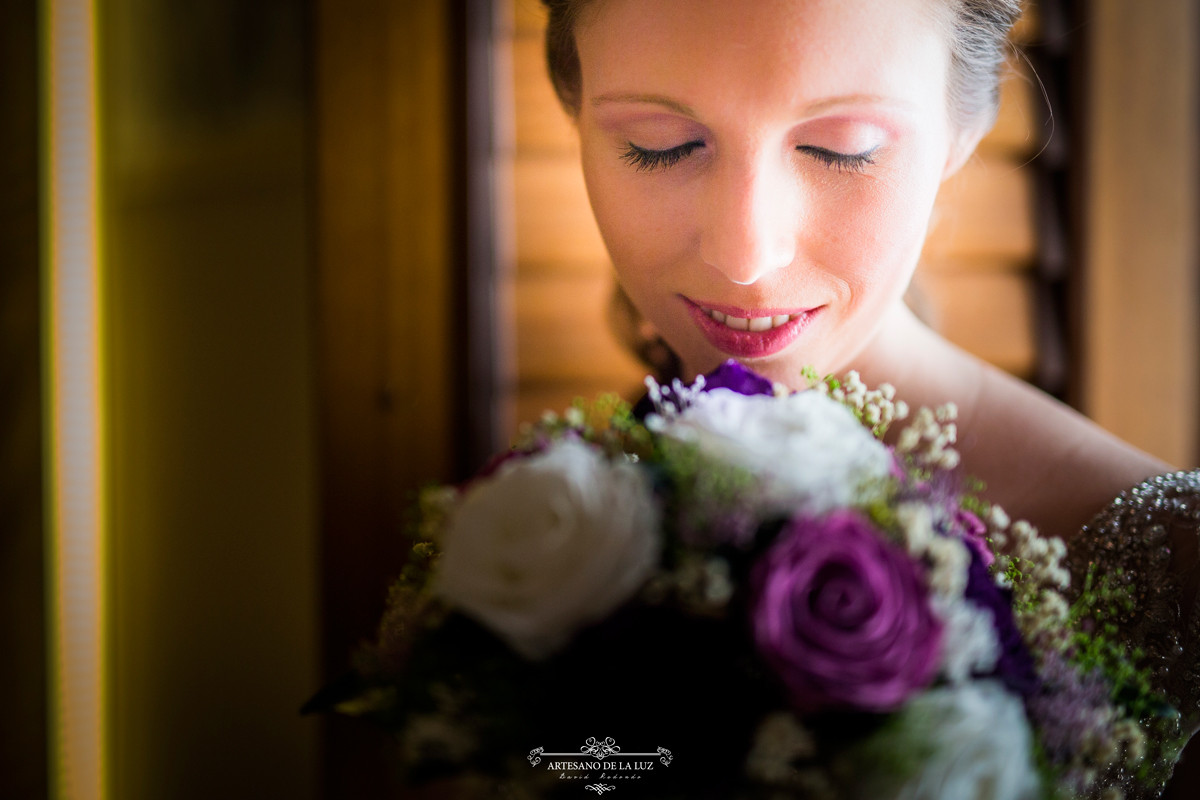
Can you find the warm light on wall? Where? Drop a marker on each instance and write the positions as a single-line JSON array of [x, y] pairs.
[[72, 338]]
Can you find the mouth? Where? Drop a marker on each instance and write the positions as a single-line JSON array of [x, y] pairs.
[[749, 333]]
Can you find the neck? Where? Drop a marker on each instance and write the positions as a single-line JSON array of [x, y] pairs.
[[894, 353], [924, 368]]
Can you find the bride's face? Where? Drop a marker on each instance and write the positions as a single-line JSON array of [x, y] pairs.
[[763, 172]]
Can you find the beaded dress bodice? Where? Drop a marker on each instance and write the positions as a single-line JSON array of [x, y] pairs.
[[1147, 539]]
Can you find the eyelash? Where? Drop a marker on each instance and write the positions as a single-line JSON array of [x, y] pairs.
[[842, 162], [644, 160]]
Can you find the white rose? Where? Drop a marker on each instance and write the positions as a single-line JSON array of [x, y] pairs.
[[550, 543], [982, 745], [810, 449]]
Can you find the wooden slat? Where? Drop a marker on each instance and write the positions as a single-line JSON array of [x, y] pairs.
[[985, 211], [982, 264], [384, 349], [562, 333], [1029, 26], [988, 314], [529, 17], [1013, 133], [542, 124], [1140, 315], [555, 227]]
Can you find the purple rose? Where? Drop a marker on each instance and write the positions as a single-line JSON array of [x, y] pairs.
[[843, 616], [733, 376], [730, 375]]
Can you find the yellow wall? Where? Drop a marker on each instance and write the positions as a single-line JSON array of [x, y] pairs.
[[211, 409]]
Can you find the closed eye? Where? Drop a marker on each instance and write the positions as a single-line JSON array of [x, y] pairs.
[[644, 159], [842, 162]]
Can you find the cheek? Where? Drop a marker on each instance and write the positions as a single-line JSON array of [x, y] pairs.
[[644, 223], [868, 234]]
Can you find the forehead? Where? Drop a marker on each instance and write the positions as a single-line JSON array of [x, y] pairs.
[[720, 55]]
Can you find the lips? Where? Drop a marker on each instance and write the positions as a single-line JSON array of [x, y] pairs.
[[749, 333]]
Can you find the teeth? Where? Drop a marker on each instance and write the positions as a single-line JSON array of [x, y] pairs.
[[757, 324]]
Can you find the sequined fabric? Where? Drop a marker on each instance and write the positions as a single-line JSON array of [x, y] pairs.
[[1147, 539]]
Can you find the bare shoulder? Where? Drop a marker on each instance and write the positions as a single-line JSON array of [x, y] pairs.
[[1040, 459]]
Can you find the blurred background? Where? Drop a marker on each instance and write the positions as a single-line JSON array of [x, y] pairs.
[[329, 250]]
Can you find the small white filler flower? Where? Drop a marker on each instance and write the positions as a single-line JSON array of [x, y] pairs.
[[549, 544]]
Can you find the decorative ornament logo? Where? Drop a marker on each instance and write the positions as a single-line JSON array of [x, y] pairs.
[[597, 749], [599, 788], [600, 750]]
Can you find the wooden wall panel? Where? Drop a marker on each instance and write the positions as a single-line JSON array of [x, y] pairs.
[[985, 212], [556, 231], [976, 284], [541, 125], [563, 274], [1013, 132], [564, 336], [1140, 307], [386, 338], [989, 313]]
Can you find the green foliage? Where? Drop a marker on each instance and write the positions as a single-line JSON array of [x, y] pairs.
[[892, 754], [970, 499], [1051, 775], [1025, 595], [881, 509], [1094, 621], [607, 422], [705, 492]]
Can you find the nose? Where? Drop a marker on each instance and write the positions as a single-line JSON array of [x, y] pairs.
[[750, 224]]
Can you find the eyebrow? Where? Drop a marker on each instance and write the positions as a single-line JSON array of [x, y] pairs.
[[844, 100], [683, 108], [653, 99]]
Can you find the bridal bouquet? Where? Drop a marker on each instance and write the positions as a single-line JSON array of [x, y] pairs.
[[758, 596]]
